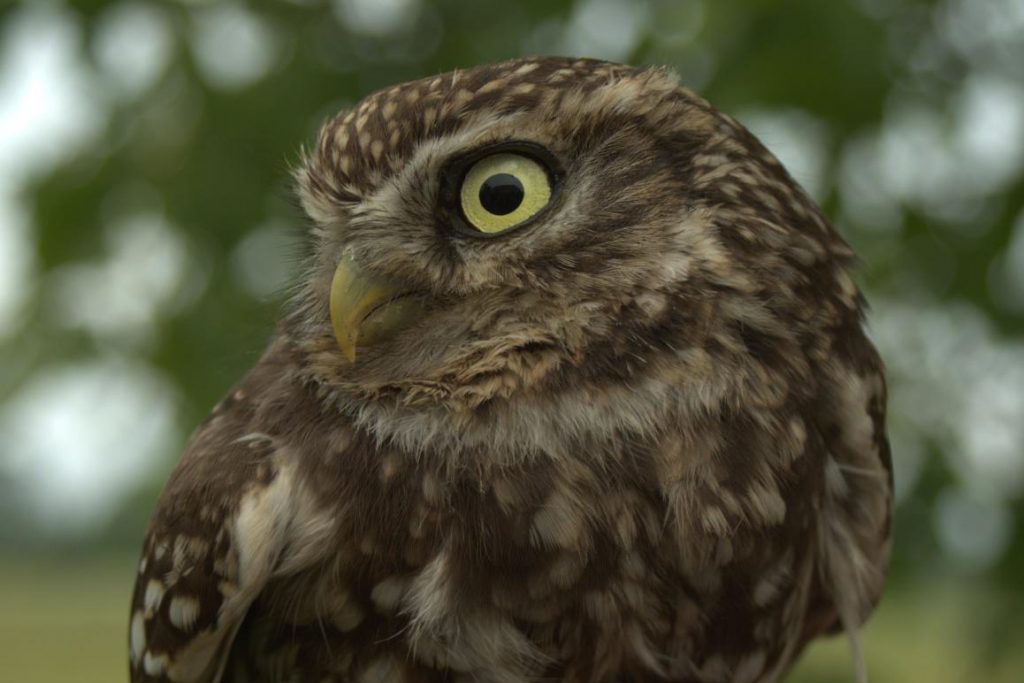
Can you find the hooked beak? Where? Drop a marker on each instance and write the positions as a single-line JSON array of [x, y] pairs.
[[366, 309]]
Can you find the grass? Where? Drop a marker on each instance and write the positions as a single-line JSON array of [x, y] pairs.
[[67, 621]]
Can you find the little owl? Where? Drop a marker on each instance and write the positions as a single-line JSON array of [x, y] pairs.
[[574, 388]]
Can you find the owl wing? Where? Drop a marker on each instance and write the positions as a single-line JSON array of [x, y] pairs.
[[854, 524], [216, 538]]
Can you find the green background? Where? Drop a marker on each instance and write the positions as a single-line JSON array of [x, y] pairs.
[[148, 233]]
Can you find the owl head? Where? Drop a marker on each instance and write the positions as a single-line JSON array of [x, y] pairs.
[[521, 228]]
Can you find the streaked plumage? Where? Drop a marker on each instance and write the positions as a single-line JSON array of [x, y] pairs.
[[639, 438]]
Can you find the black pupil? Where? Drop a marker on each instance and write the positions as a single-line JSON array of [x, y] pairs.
[[501, 194]]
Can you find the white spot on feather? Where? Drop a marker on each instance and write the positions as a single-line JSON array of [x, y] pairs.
[[772, 582], [154, 665], [713, 520], [559, 522], [258, 437], [750, 668], [137, 638], [799, 432], [464, 639], [768, 502], [183, 612], [381, 670], [855, 395], [348, 616], [387, 594], [428, 597], [262, 520], [154, 594]]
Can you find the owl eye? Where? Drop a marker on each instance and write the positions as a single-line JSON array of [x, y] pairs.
[[503, 190]]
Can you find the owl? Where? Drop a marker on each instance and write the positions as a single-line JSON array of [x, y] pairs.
[[574, 388]]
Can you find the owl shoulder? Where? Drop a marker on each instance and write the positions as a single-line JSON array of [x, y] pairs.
[[231, 517]]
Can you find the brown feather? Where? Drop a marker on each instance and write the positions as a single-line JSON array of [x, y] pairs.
[[640, 439]]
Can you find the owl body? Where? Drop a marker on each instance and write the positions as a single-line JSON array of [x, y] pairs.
[[615, 418]]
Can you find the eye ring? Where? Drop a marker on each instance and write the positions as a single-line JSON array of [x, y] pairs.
[[498, 189]]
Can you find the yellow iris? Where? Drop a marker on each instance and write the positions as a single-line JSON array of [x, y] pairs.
[[504, 190]]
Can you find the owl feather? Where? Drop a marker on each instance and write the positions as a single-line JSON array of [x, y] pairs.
[[574, 387]]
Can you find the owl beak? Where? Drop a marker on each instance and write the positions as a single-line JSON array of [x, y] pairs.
[[366, 309]]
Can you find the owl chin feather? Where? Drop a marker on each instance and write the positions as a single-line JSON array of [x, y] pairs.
[[629, 426]]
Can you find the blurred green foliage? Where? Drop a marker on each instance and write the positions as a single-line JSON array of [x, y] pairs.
[[905, 117]]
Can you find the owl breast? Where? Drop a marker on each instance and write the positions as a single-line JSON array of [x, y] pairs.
[[567, 568]]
